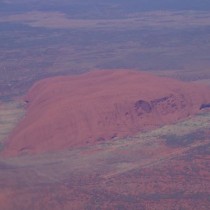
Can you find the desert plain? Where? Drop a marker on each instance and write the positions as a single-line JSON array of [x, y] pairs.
[[104, 105]]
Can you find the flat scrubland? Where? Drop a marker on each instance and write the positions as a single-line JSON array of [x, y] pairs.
[[38, 44], [10, 115]]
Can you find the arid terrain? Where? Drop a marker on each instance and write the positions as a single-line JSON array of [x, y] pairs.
[[86, 124], [39, 39], [68, 111], [154, 157], [167, 168]]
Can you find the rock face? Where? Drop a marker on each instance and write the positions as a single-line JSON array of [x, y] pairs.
[[63, 112]]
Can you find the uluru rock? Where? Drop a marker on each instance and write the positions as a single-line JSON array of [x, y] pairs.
[[69, 111]]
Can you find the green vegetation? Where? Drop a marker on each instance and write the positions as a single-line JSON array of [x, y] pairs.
[[10, 114], [1, 146], [174, 140]]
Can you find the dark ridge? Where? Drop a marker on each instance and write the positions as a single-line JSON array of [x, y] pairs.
[[160, 100], [143, 106], [204, 106]]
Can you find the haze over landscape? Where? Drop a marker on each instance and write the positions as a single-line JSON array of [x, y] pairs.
[[104, 105]]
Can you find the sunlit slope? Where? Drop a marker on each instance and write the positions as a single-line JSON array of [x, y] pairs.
[[64, 112]]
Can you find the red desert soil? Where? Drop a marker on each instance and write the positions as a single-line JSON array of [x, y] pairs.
[[69, 111]]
